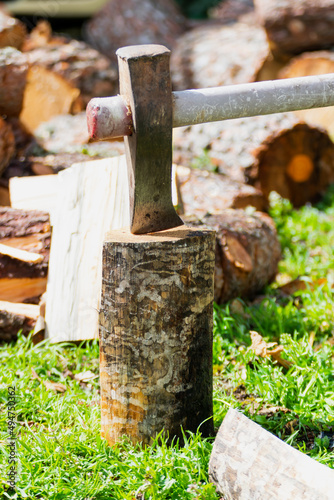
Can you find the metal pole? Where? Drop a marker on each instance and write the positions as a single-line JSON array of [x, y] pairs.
[[191, 107]]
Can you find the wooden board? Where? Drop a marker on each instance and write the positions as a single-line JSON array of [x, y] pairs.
[[92, 199]]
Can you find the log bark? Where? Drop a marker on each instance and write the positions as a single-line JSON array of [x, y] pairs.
[[294, 27], [273, 153], [156, 334], [13, 75], [7, 144], [230, 11], [249, 463], [12, 32], [15, 318], [128, 22], [214, 55], [28, 231], [313, 63], [203, 192], [79, 64], [247, 252], [91, 199]]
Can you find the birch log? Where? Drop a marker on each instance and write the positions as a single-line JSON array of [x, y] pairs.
[[92, 199], [156, 333], [249, 463]]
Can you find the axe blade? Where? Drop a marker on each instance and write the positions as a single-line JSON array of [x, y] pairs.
[[146, 85]]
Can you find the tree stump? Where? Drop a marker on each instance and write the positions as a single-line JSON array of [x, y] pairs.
[[156, 333], [249, 463], [293, 27]]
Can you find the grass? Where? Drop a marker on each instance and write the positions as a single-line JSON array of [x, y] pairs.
[[60, 451]]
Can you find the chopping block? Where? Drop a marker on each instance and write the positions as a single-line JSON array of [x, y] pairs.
[[156, 314]]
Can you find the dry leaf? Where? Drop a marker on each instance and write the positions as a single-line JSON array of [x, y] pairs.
[[48, 384], [85, 376], [260, 347]]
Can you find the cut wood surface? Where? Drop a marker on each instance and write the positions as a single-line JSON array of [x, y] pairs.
[[13, 75], [16, 317], [249, 463], [247, 252], [128, 22], [12, 31], [23, 234], [203, 192], [79, 64], [274, 153], [156, 334], [293, 27], [47, 94], [92, 199], [7, 144], [313, 63], [214, 55]]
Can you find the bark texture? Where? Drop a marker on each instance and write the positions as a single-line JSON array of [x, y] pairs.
[[75, 61], [248, 463], [213, 55], [7, 144], [233, 10], [247, 252], [128, 22], [15, 318], [293, 27], [30, 231], [13, 75], [318, 62], [12, 32], [274, 153], [203, 192], [156, 333]]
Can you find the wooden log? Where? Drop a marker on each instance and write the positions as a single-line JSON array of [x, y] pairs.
[[294, 27], [274, 153], [128, 22], [248, 463], [12, 31], [23, 233], [47, 94], [214, 55], [13, 75], [156, 334], [203, 192], [247, 252], [92, 198], [75, 61], [7, 144], [15, 318], [229, 11], [313, 63]]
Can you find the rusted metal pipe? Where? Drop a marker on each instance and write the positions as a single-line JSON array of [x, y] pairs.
[[110, 117]]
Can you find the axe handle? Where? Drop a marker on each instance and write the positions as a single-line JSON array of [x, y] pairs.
[[110, 117]]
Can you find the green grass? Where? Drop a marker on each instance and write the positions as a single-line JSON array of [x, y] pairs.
[[60, 451]]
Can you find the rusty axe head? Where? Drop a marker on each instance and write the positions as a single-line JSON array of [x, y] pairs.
[[145, 85]]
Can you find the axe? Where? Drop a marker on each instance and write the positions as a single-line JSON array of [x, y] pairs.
[[147, 110]]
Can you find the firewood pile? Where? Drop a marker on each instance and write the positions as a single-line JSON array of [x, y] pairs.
[[47, 80]]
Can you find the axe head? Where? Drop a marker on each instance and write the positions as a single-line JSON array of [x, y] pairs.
[[146, 85]]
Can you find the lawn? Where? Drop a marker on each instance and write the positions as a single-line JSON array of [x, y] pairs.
[[59, 450]]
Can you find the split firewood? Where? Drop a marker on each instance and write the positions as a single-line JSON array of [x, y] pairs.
[[7, 144], [247, 252], [247, 462], [15, 317], [273, 153], [12, 32], [129, 22], [23, 233], [213, 55], [313, 63], [13, 75], [293, 27], [80, 65], [203, 192]]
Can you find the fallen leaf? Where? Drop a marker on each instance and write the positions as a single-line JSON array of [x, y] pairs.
[[85, 376], [48, 384], [260, 347]]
